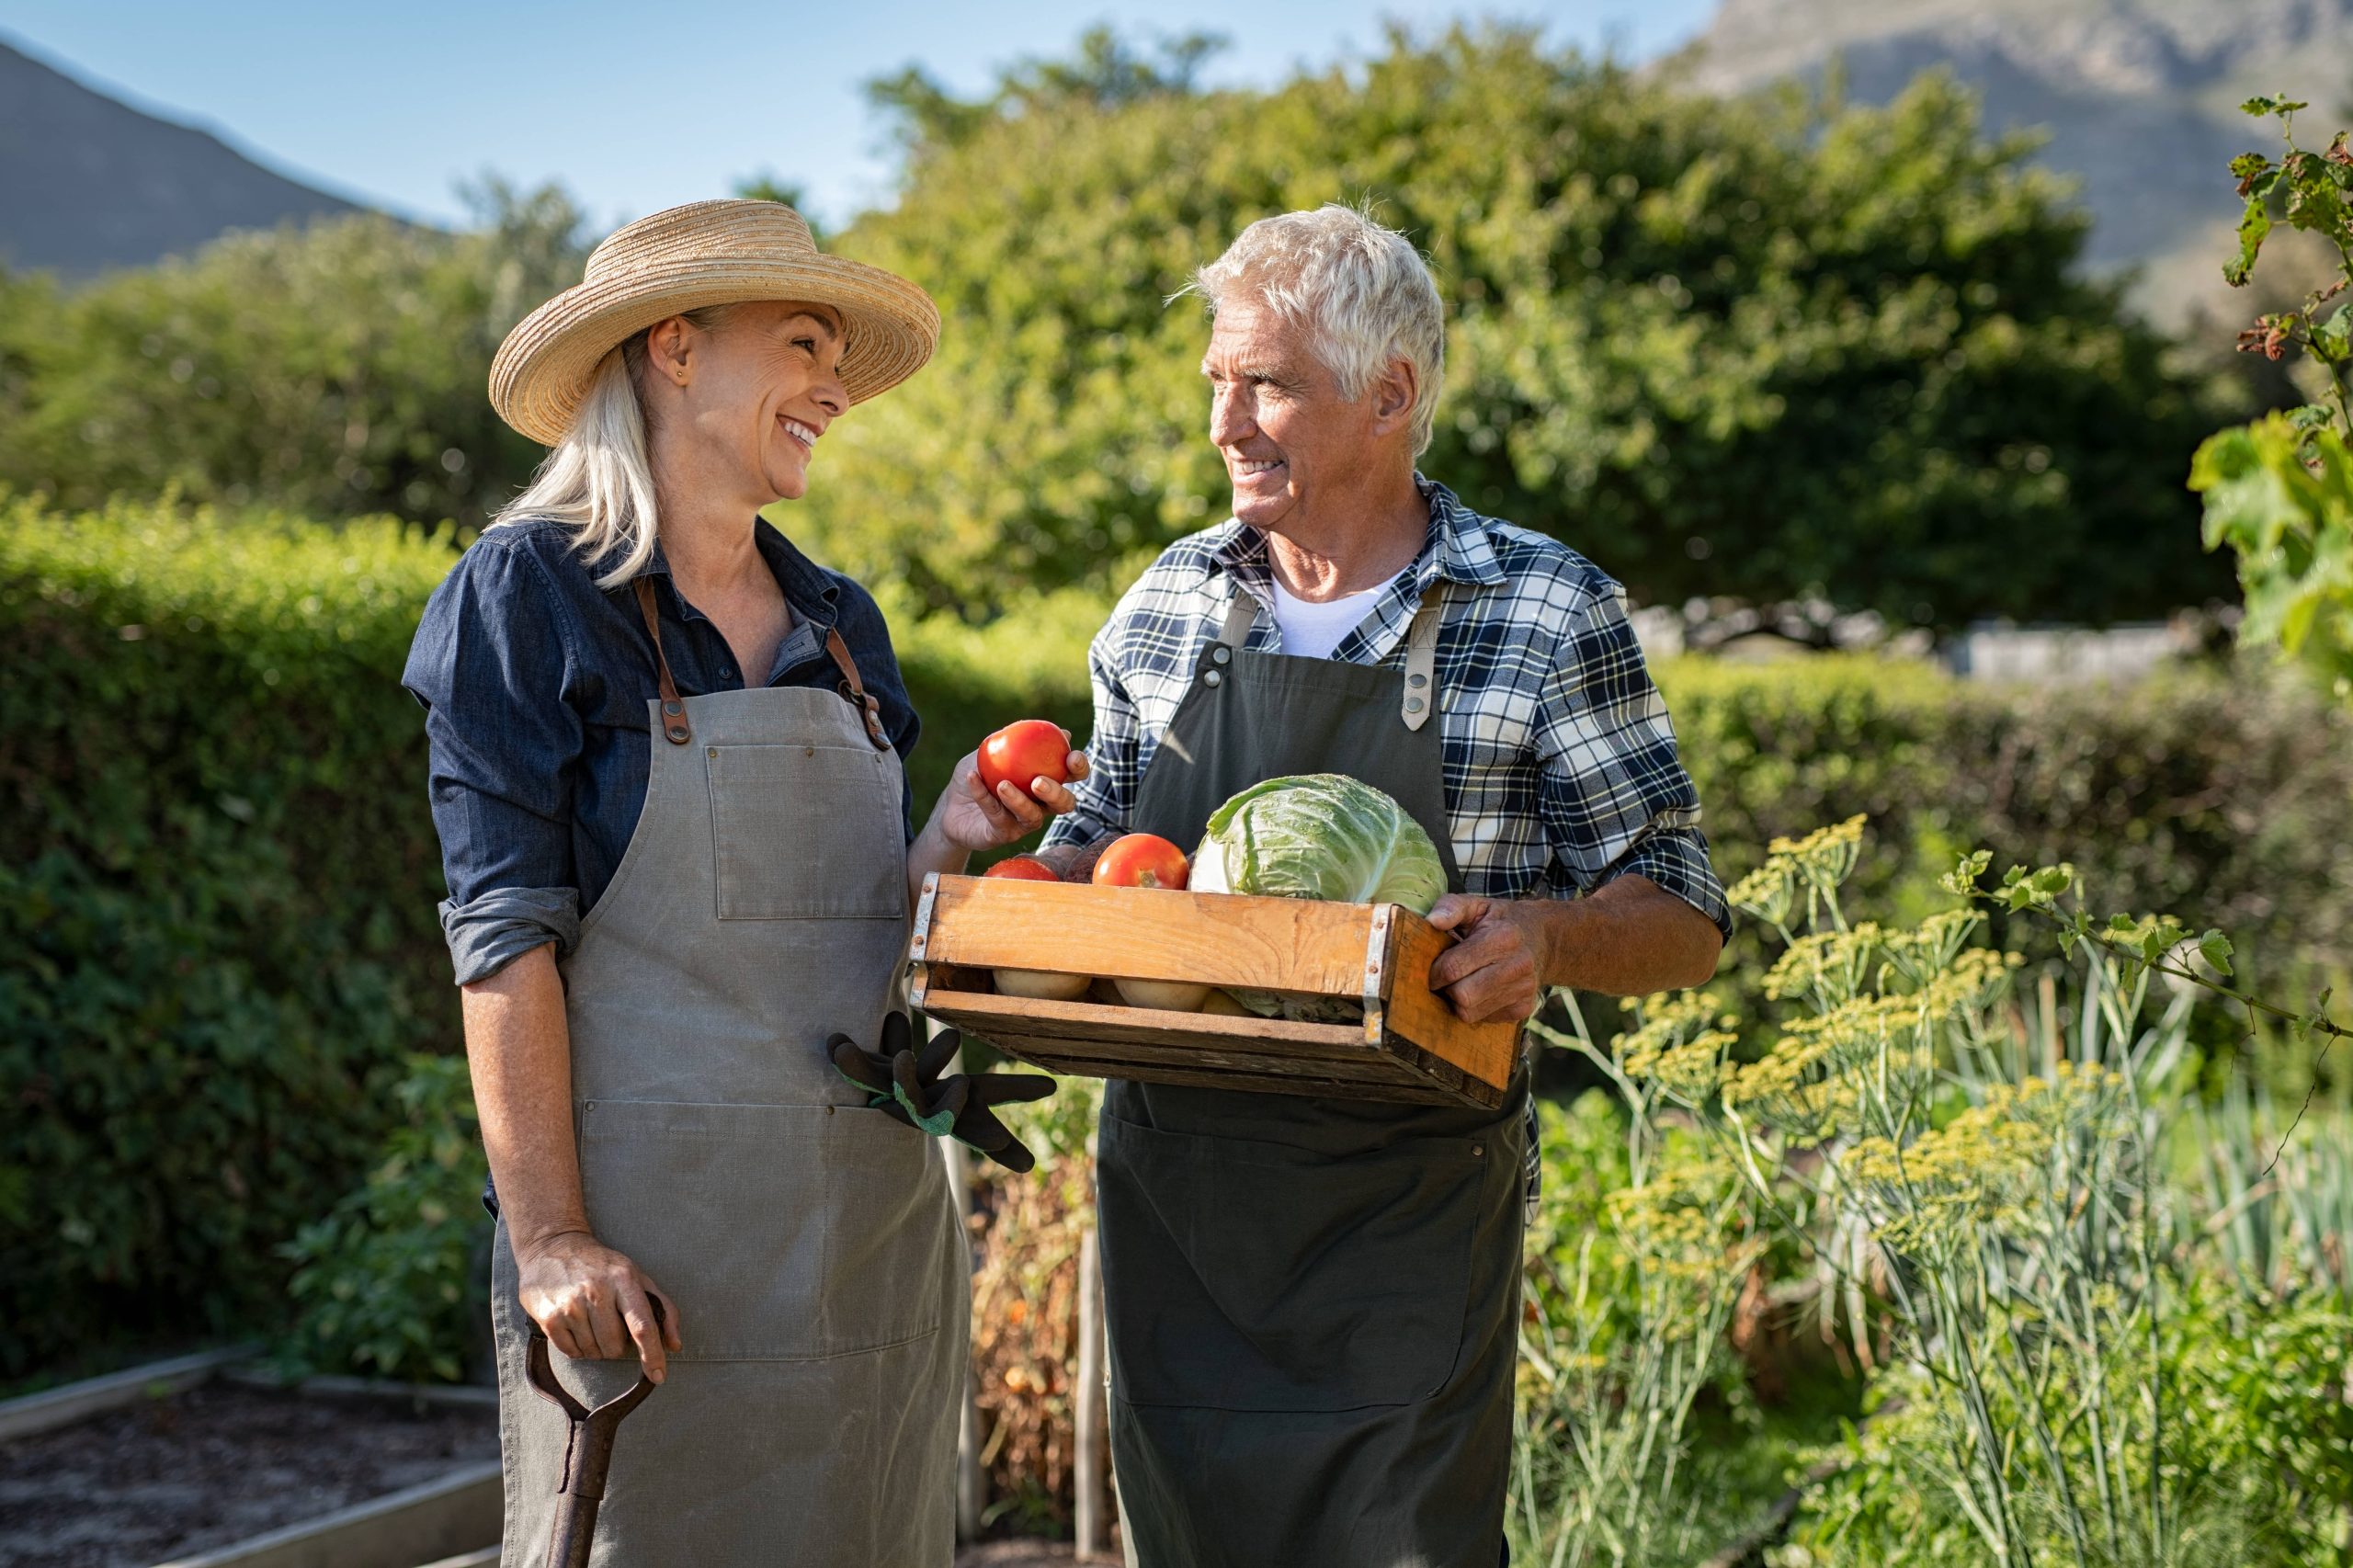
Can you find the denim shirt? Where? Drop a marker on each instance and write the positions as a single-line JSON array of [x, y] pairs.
[[535, 683]]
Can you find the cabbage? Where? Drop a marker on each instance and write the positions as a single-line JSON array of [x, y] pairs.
[[1318, 835]]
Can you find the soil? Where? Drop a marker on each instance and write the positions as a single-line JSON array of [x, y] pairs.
[[213, 1465], [1023, 1554]]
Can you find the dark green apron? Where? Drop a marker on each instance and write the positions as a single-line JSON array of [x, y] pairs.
[[1312, 1304]]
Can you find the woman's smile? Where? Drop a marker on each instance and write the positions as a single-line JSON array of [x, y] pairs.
[[804, 434]]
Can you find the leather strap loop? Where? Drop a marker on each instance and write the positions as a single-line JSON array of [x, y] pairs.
[[675, 726], [855, 689], [1420, 699], [1421, 663], [1238, 617]]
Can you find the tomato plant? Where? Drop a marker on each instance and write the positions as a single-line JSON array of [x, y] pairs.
[[1032, 748], [1142, 860]]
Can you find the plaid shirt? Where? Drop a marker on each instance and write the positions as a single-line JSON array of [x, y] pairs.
[[1560, 763]]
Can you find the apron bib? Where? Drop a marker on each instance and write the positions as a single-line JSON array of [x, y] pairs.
[[1312, 1304], [811, 1243]]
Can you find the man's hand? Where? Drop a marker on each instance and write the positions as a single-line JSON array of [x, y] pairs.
[[593, 1303], [1495, 969]]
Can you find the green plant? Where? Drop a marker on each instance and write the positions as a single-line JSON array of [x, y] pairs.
[[2006, 1174], [384, 1283], [2280, 495], [1633, 1267], [2279, 491]]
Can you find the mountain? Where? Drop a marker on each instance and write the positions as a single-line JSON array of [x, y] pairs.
[[2139, 97], [87, 183]]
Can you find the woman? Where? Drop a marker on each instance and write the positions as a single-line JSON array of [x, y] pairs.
[[644, 704]]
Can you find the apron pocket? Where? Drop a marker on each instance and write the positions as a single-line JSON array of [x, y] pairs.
[[807, 832], [785, 1233], [1257, 1277]]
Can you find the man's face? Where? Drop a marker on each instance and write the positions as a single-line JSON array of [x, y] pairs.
[[1287, 435]]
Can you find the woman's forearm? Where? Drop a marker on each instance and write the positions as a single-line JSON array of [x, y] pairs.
[[932, 851], [520, 1052]]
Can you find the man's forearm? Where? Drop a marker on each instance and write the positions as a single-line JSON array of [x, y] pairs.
[[1628, 938], [520, 1054]]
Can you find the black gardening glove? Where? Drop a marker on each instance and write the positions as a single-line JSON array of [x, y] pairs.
[[900, 1084]]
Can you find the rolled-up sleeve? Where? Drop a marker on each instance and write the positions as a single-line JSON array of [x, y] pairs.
[[1106, 797], [491, 664], [1614, 794]]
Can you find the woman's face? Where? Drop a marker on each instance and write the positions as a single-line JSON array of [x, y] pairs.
[[750, 398]]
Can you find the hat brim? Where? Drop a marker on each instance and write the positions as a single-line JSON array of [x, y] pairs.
[[543, 371]]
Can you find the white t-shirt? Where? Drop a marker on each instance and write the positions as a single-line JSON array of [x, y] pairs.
[[1312, 631]]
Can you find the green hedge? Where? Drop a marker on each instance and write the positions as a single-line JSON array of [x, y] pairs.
[[220, 903], [2223, 794], [214, 907]]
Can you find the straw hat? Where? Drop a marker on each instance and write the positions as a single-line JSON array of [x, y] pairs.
[[706, 252]]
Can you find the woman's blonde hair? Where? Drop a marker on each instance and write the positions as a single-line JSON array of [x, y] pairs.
[[598, 481]]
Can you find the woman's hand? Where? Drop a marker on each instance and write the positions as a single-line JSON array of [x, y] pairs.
[[972, 819], [594, 1304]]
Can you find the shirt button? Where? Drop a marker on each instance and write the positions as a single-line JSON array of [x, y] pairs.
[[727, 672]]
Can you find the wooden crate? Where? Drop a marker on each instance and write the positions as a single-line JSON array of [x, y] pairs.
[[1409, 1048]]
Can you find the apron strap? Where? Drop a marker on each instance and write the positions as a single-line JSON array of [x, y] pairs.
[[1421, 663], [855, 689], [675, 725], [1238, 618]]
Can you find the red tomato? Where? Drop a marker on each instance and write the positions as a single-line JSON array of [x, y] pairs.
[[1143, 860], [1023, 867], [1018, 753]]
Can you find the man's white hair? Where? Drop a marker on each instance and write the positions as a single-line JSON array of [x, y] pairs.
[[1361, 289]]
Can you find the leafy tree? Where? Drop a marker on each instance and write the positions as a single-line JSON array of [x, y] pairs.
[[1762, 349], [337, 369]]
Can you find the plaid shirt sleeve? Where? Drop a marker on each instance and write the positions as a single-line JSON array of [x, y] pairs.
[[1106, 796], [1613, 792]]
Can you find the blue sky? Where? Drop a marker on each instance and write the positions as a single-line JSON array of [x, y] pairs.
[[637, 107]]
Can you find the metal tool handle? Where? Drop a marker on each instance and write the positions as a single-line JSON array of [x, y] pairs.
[[587, 1448]]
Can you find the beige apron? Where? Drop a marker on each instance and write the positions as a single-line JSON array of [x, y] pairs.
[[811, 1243]]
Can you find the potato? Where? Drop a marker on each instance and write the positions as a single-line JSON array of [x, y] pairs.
[[1042, 985], [1166, 995]]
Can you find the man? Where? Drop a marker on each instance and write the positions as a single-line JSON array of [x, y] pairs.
[[1312, 1304]]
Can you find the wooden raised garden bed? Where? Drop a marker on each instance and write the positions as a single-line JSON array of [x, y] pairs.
[[192, 1464]]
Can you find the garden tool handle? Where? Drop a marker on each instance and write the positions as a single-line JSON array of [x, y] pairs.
[[587, 1449]]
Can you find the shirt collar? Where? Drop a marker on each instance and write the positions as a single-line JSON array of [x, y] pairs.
[[1457, 546], [808, 588]]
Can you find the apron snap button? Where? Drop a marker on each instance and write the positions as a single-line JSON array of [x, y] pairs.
[[1478, 1150], [678, 734], [1417, 681], [1221, 654], [1212, 678], [829, 1110], [711, 752], [1412, 705]]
